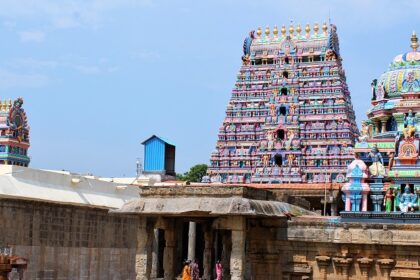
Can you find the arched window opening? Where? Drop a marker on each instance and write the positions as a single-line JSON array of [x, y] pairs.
[[285, 74], [286, 60], [278, 160], [391, 124], [283, 91], [280, 134], [282, 111]]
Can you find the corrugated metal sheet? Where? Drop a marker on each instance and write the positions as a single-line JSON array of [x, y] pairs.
[[154, 154]]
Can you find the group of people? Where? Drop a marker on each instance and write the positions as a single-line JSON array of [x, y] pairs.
[[191, 270]]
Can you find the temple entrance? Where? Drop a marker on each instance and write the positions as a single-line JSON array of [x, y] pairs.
[[190, 240]]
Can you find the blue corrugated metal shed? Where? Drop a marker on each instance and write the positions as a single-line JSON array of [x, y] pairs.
[[156, 155]]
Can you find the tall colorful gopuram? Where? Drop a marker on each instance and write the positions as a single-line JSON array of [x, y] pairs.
[[290, 118], [390, 143], [14, 133]]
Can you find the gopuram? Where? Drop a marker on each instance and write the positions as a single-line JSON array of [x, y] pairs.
[[384, 179], [290, 118], [14, 133]]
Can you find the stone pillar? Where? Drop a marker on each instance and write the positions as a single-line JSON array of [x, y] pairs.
[[334, 208], [155, 254], [383, 124], [365, 264], [386, 265], [237, 256], [191, 240], [323, 264], [208, 245], [169, 253], [143, 251], [343, 264]]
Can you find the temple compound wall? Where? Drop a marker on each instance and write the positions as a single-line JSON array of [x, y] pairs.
[[68, 242]]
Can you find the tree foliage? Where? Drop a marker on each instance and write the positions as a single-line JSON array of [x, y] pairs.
[[195, 174]]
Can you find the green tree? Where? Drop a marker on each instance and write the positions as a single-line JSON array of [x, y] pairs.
[[194, 175]]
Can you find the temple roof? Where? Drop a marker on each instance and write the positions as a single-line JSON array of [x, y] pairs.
[[412, 56], [402, 76], [62, 187], [209, 201]]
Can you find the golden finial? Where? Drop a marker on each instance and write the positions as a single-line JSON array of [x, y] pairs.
[[10, 102], [283, 30], [414, 41], [308, 30], [275, 31], [316, 28], [298, 29], [259, 33], [324, 28], [291, 30], [4, 105], [267, 32]]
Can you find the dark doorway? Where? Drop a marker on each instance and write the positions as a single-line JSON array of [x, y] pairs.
[[286, 60], [282, 111], [223, 248], [199, 247], [278, 160], [285, 74], [161, 247], [283, 91], [280, 133]]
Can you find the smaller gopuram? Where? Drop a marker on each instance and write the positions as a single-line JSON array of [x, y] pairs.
[[389, 142], [14, 133]]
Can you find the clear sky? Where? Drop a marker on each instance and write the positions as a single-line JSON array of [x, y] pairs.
[[100, 76]]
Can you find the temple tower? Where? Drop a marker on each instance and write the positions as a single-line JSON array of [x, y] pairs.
[[14, 133], [290, 117]]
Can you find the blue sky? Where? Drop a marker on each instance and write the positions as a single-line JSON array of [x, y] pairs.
[[100, 76]]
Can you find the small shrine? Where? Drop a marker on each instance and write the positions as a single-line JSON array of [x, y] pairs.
[[290, 118], [385, 173], [14, 133]]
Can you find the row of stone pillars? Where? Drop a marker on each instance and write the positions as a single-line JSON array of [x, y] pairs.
[[147, 257]]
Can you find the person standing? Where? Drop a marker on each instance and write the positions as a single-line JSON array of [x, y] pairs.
[[195, 270], [186, 272], [219, 270]]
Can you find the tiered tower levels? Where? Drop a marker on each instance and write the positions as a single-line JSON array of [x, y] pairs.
[[14, 133], [290, 117]]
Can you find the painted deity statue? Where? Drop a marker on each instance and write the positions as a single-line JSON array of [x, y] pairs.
[[388, 200], [377, 168], [407, 200], [365, 132], [410, 122]]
